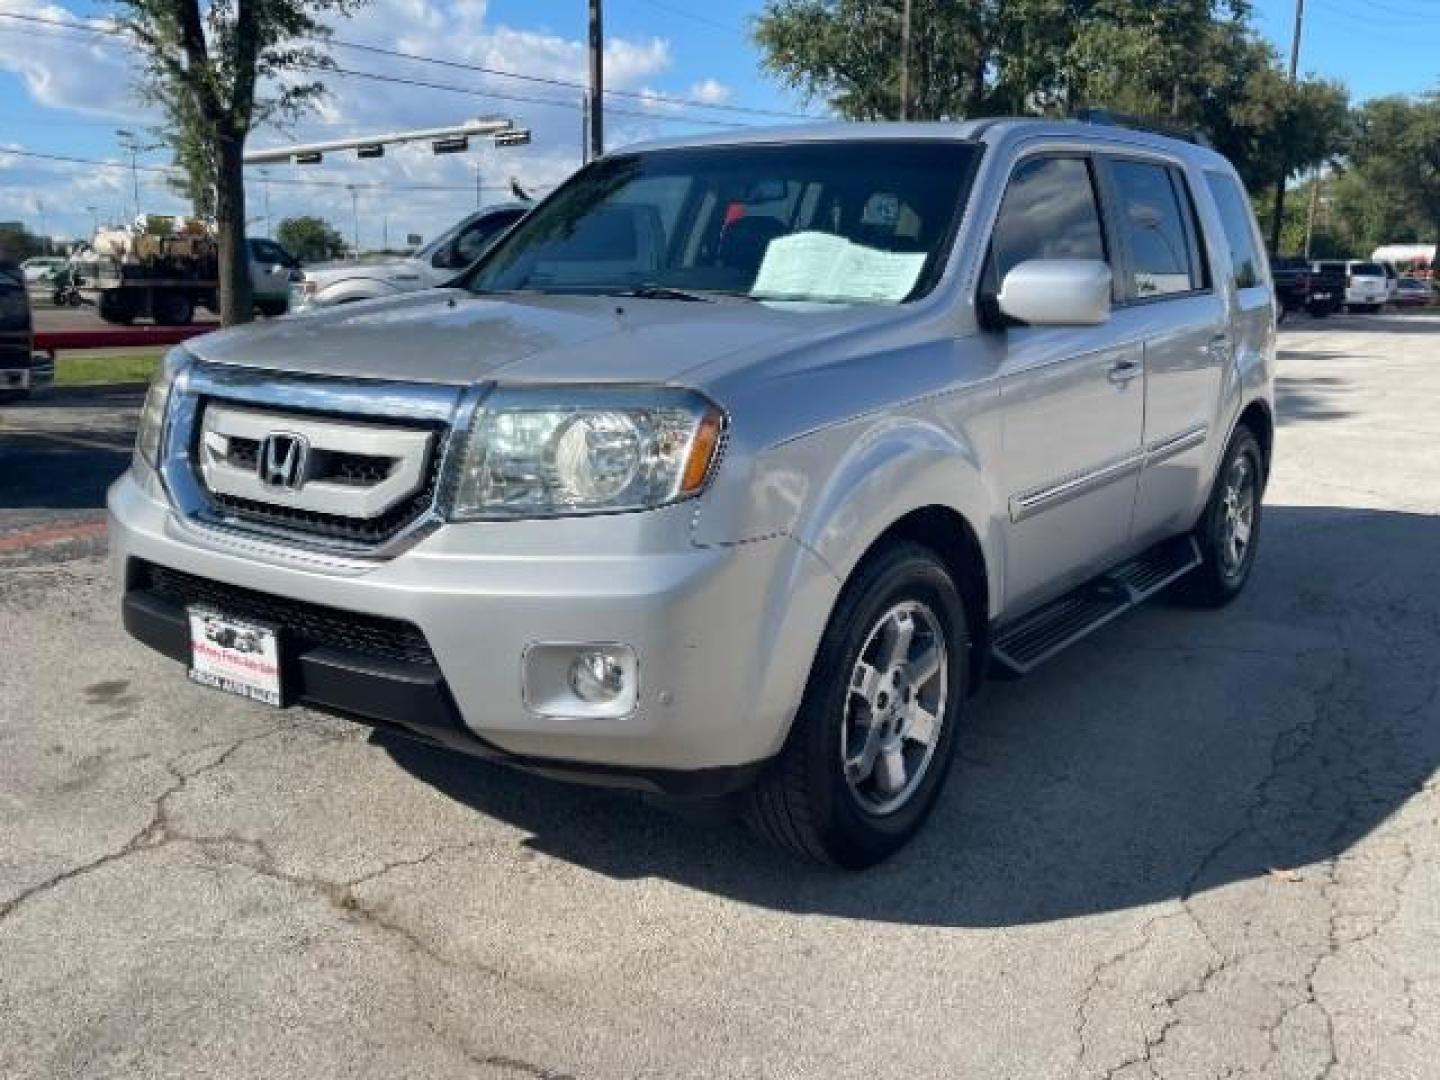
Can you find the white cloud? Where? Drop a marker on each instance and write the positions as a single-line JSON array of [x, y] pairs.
[[91, 76], [710, 91]]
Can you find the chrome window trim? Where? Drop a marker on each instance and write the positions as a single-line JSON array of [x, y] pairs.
[[453, 406]]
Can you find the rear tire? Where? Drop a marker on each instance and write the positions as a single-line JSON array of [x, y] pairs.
[[1318, 311], [173, 309], [874, 736], [1229, 530], [116, 309]]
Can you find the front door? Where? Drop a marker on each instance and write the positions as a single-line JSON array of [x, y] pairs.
[[1072, 397]]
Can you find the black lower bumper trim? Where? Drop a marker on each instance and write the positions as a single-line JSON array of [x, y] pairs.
[[413, 699]]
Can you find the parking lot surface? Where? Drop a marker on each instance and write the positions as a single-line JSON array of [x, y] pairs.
[[1196, 845]]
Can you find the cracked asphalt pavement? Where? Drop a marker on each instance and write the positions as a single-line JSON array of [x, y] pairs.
[[1197, 845]]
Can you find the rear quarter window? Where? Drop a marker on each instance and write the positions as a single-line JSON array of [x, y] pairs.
[[1237, 223]]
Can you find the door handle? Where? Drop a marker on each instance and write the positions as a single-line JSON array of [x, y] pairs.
[[1122, 371], [1219, 345]]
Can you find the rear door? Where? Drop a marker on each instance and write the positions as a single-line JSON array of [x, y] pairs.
[[1169, 302]]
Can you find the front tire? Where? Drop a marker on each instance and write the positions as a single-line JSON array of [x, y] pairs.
[[1229, 530], [874, 736]]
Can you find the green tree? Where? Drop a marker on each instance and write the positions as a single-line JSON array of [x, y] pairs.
[[218, 70], [1396, 155], [1197, 63], [310, 239]]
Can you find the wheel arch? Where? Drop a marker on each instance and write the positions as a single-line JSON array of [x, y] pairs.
[[1260, 419], [947, 533]]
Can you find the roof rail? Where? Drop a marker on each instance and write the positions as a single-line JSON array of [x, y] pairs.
[[1111, 118]]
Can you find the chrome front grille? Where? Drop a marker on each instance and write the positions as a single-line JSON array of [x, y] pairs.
[[346, 465]]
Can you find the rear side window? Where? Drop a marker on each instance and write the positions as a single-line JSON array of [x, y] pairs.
[[1153, 226], [1235, 220], [1049, 212]]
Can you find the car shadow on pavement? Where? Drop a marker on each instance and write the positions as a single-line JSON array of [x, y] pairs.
[[1172, 753], [1302, 398]]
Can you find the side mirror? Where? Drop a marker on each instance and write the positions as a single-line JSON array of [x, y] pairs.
[[1057, 292]]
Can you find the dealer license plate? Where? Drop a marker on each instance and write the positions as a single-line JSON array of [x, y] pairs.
[[235, 656]]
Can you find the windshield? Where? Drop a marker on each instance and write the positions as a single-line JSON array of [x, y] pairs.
[[444, 238], [839, 222]]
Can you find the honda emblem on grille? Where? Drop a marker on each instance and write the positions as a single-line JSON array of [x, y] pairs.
[[283, 459]]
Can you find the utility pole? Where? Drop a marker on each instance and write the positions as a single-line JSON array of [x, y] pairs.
[[905, 61], [477, 185], [585, 130], [597, 80], [1279, 218], [265, 174], [1314, 210]]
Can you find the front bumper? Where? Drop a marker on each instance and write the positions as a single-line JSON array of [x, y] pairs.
[[703, 623]]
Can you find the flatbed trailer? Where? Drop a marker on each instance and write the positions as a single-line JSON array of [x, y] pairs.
[[121, 298]]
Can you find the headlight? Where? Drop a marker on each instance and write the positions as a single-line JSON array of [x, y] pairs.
[[586, 450], [152, 414]]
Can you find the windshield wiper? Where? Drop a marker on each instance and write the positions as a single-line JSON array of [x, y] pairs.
[[661, 292]]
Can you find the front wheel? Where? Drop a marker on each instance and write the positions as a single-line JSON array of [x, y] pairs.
[[1229, 530], [873, 738]]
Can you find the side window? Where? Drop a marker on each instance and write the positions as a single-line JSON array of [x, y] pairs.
[[1239, 233], [1049, 212], [1152, 226]]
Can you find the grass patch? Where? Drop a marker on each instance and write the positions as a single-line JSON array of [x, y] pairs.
[[98, 369]]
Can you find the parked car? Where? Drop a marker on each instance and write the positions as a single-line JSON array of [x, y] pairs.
[[22, 369], [1392, 279], [41, 269], [1365, 283], [343, 282], [1412, 292], [1327, 288], [1291, 279], [735, 465]]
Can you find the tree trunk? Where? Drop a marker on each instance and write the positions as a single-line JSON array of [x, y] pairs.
[[237, 303], [1277, 226]]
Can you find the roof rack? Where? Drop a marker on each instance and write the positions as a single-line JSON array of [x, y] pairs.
[[1111, 118]]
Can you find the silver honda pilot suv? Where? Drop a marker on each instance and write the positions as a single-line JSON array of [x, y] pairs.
[[735, 466]]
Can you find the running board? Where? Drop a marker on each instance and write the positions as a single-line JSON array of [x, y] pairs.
[[1024, 645]]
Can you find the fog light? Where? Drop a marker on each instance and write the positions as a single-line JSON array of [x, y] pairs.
[[589, 680], [597, 677]]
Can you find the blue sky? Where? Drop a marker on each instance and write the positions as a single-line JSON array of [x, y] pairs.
[[63, 93]]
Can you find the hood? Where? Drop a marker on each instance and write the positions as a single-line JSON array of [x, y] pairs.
[[325, 273], [449, 336]]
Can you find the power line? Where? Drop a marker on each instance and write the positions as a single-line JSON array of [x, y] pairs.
[[703, 19], [567, 84], [425, 84], [659, 99]]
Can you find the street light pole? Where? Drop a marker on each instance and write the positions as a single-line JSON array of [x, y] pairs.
[[355, 221]]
